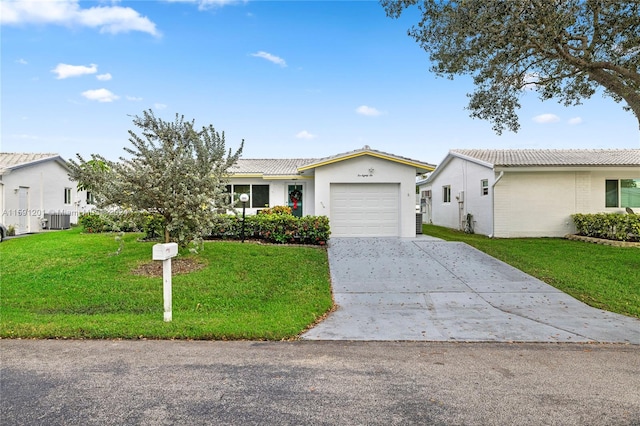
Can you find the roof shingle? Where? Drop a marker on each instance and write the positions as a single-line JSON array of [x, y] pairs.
[[11, 159], [270, 166], [553, 157]]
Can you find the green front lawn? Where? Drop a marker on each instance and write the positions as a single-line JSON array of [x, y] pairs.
[[72, 285], [602, 276]]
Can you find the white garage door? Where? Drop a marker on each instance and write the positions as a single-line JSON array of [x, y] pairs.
[[365, 209]]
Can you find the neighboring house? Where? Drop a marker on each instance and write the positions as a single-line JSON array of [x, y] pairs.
[[36, 193], [363, 192], [529, 193]]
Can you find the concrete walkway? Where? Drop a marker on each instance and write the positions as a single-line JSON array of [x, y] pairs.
[[430, 290]]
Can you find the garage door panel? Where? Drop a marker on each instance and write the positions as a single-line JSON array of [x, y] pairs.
[[365, 209]]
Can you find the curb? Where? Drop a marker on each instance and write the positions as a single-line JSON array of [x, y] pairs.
[[614, 243]]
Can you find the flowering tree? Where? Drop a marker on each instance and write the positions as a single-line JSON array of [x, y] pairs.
[[172, 170]]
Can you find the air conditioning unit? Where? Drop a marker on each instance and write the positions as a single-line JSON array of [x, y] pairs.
[[57, 221], [426, 194]]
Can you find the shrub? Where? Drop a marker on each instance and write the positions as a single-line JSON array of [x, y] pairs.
[[94, 222], [153, 226], [278, 226], [128, 221], [313, 229], [225, 226], [611, 226], [122, 221], [286, 210], [281, 228]]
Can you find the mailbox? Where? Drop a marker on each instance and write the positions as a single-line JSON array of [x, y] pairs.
[[165, 251]]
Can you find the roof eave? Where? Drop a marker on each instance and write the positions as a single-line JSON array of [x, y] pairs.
[[420, 167], [287, 177], [472, 159], [264, 176], [560, 167], [58, 159]]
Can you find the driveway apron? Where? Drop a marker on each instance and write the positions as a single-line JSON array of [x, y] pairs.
[[427, 289]]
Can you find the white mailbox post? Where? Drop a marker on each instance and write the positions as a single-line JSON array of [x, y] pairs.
[[165, 252]]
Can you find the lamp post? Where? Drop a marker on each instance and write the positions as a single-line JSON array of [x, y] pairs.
[[243, 198]]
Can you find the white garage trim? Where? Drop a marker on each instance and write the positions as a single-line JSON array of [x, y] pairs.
[[365, 209]]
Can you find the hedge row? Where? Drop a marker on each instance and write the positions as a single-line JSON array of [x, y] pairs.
[[274, 228], [278, 227], [610, 226], [122, 221]]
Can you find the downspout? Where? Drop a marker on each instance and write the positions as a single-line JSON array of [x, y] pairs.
[[493, 207]]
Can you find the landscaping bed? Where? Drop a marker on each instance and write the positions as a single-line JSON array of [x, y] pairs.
[[603, 241]]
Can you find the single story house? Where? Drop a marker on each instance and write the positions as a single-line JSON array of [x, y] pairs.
[[36, 192], [363, 192], [528, 192]]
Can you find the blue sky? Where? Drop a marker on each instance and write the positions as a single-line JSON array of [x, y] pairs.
[[291, 78]]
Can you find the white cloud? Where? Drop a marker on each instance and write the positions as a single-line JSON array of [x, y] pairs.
[[104, 77], [66, 70], [575, 120], [305, 135], [133, 98], [159, 106], [368, 111], [271, 58], [25, 136], [22, 61], [531, 81], [546, 118], [208, 4], [108, 19], [100, 95]]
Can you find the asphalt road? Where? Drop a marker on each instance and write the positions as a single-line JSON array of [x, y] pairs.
[[51, 382]]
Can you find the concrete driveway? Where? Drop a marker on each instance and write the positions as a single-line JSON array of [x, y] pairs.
[[430, 290]]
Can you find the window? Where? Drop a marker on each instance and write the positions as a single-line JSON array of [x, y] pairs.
[[67, 195], [611, 188], [629, 192], [258, 195], [484, 187], [622, 193], [242, 189], [446, 194], [90, 199]]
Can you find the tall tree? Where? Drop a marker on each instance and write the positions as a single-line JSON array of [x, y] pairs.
[[173, 170], [563, 49]]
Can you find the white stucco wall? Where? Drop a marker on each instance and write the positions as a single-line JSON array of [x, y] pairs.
[[540, 203], [463, 177], [368, 169], [44, 184], [534, 205], [527, 202]]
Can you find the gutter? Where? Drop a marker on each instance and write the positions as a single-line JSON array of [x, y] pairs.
[[493, 207]]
